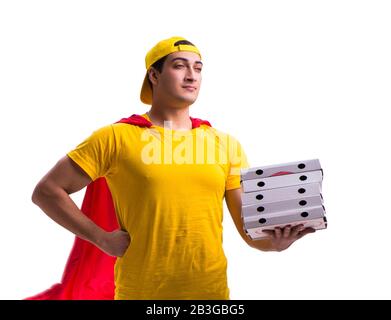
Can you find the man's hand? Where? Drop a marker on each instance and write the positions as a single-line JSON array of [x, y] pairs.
[[115, 243], [281, 238], [278, 240]]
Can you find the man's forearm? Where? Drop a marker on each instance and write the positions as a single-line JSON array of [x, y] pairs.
[[58, 205]]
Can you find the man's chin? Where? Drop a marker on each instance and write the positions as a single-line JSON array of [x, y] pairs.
[[187, 100]]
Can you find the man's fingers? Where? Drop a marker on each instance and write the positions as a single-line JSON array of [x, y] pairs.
[[277, 233], [296, 230], [287, 232]]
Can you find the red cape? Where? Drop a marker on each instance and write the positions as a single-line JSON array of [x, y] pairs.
[[89, 272]]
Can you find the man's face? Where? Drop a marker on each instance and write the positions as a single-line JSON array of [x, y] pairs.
[[180, 80]]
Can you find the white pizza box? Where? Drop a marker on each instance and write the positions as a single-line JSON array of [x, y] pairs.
[[298, 213], [312, 217], [278, 194], [257, 233], [279, 169], [283, 216], [301, 203], [282, 181]]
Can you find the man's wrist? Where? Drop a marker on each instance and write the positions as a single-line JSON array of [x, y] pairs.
[[98, 237]]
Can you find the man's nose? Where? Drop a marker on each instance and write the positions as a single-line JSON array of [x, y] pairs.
[[190, 75]]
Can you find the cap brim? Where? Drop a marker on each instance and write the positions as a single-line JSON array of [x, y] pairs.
[[146, 92]]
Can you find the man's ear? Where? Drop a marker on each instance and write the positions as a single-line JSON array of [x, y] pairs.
[[153, 75]]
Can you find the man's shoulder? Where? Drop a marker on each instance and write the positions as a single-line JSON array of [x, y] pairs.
[[124, 127], [111, 130], [218, 132]]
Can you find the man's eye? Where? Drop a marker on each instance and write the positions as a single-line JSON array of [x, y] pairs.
[[179, 65], [199, 69]]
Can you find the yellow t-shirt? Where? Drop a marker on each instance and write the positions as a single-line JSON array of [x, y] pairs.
[[168, 188]]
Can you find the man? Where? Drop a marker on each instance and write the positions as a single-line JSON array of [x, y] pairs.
[[168, 174]]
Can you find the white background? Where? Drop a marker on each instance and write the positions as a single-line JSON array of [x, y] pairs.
[[292, 80]]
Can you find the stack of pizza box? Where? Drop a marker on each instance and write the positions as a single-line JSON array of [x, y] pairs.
[[281, 195]]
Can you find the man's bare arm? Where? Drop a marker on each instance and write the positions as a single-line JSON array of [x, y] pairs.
[[52, 195], [280, 238]]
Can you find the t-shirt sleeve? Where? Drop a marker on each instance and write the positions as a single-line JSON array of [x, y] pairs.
[[97, 154], [237, 161]]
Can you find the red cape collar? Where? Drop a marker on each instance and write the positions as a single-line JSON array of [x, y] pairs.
[[140, 121]]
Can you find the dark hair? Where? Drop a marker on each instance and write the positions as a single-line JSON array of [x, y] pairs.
[[158, 65]]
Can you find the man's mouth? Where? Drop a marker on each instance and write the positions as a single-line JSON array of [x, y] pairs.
[[190, 88]]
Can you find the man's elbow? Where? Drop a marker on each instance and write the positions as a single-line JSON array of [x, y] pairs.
[[42, 190], [37, 192]]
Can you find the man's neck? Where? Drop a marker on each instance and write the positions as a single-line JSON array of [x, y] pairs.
[[175, 119]]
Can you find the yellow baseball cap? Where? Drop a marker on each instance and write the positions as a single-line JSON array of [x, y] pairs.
[[160, 50]]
